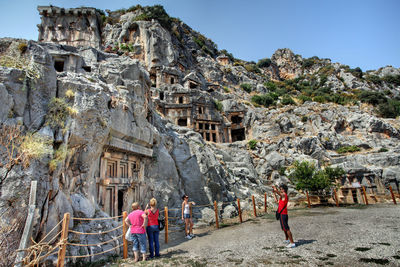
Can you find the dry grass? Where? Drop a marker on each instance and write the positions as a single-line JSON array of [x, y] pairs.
[[19, 148], [10, 234]]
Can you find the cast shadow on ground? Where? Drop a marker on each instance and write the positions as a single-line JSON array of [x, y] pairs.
[[301, 242], [170, 254], [202, 234]]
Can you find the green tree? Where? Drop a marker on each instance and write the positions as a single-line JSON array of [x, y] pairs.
[[265, 100], [306, 176], [264, 63]]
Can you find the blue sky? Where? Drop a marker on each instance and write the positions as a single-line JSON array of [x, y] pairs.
[[358, 33]]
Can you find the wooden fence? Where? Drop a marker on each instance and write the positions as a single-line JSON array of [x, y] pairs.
[[43, 249]]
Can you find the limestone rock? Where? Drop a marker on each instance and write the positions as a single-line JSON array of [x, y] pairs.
[[82, 206]]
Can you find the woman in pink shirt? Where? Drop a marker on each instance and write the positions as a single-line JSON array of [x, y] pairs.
[[137, 219]]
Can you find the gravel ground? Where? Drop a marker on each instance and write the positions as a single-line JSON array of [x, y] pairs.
[[345, 236]]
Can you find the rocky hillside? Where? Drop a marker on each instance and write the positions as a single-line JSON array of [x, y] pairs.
[[69, 110]]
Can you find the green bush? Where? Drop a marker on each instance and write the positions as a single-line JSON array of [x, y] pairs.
[[309, 62], [218, 105], [156, 12], [270, 86], [287, 100], [334, 173], [348, 149], [356, 72], [58, 112], [307, 177], [252, 144], [304, 98], [391, 109], [127, 47], [321, 98], [323, 79], [392, 79], [372, 97], [304, 118], [383, 149], [342, 99], [229, 55], [252, 68], [373, 79], [200, 41], [246, 87], [265, 100], [134, 8], [282, 170], [59, 157], [264, 63]]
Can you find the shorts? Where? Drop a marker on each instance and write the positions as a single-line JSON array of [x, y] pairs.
[[139, 240], [186, 216], [284, 222]]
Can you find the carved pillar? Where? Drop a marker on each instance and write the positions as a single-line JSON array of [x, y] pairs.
[[115, 209]]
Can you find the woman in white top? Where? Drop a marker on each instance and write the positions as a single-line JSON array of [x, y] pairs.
[[186, 216]]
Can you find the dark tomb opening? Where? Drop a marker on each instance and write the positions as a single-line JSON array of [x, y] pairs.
[[59, 65], [181, 100], [236, 119], [238, 135], [192, 85], [120, 201], [87, 68], [182, 122], [161, 95], [214, 137]]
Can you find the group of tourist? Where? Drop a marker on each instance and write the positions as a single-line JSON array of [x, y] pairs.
[[141, 222], [147, 221]]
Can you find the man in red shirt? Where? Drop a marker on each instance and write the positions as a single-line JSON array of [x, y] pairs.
[[282, 209]]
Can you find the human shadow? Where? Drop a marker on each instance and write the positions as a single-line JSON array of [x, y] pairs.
[[172, 253], [301, 242]]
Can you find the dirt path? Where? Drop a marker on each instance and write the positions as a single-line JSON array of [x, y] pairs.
[[352, 236]]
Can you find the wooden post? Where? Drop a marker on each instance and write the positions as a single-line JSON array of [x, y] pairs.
[[124, 229], [166, 224], [265, 202], [216, 214], [308, 200], [393, 197], [336, 199], [64, 236], [240, 212], [254, 206], [365, 195]]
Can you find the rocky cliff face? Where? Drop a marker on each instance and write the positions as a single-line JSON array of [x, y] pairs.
[[94, 111]]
